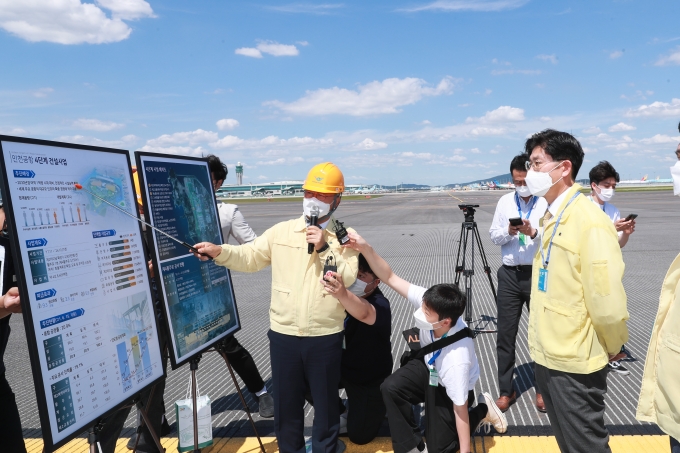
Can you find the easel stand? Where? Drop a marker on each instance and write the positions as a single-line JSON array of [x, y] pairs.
[[469, 227], [145, 421], [221, 350], [93, 437], [193, 367]]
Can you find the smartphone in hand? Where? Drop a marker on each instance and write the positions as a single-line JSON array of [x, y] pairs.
[[631, 217], [516, 221]]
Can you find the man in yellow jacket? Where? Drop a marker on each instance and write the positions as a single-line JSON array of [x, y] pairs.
[[305, 340], [660, 393], [578, 315]]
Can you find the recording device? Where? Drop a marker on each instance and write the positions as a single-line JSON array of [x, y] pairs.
[[341, 232], [329, 267], [468, 211], [516, 221], [313, 220], [631, 217]]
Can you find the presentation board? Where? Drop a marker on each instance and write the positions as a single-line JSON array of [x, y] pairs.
[[84, 284], [179, 200]]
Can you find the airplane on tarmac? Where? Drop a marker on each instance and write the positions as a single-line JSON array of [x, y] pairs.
[[503, 186]]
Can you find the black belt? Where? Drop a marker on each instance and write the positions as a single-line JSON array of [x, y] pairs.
[[523, 268]]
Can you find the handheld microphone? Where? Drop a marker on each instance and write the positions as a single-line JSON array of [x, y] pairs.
[[313, 220]]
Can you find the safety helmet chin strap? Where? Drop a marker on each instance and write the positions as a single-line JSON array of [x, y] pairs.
[[334, 206]]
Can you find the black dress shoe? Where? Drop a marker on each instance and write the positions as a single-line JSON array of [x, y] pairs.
[[266, 405]]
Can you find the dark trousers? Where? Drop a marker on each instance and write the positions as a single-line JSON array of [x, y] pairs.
[[365, 412], [10, 424], [514, 291], [243, 364], [113, 425], [408, 386], [675, 445], [575, 405], [298, 363]]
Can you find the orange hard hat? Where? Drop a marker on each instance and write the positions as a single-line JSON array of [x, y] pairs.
[[135, 179], [325, 178]]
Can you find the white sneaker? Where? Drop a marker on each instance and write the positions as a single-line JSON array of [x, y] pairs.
[[494, 416], [343, 423]]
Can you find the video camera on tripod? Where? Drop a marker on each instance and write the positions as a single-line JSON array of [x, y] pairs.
[[465, 267]]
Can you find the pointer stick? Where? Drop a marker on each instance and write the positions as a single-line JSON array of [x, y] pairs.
[[80, 187]]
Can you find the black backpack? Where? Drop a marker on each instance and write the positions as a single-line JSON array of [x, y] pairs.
[[412, 337]]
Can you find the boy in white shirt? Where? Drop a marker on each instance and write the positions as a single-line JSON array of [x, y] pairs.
[[444, 380]]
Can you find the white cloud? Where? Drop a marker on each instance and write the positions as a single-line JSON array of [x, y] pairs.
[[282, 161], [657, 109], [308, 8], [660, 139], [232, 141], [502, 114], [179, 138], [125, 142], [269, 47], [488, 131], [475, 151], [516, 71], [374, 98], [551, 58], [179, 150], [672, 59], [262, 177], [278, 50], [248, 52], [302, 43], [96, 125], [592, 130], [227, 124], [616, 54], [367, 145], [468, 5], [42, 92], [620, 127], [71, 21]]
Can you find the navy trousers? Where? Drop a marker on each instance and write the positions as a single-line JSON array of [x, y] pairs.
[[298, 363]]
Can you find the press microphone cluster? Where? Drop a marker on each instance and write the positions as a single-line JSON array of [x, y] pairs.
[[313, 220]]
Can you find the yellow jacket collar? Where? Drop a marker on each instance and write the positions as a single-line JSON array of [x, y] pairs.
[[570, 193], [301, 225]]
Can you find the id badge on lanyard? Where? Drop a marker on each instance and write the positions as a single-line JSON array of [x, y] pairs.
[[521, 236], [434, 377], [543, 280]]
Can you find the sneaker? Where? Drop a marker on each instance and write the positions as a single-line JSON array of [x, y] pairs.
[[266, 405], [616, 367], [494, 416], [343, 423]]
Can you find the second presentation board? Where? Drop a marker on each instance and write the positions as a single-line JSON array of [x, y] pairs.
[[200, 302]]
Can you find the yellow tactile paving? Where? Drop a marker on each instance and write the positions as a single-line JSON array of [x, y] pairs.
[[497, 444]]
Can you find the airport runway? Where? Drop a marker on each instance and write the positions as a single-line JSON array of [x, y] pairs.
[[418, 235]]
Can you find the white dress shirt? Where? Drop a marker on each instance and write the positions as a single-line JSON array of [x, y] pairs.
[[513, 253], [611, 211], [557, 203], [457, 365], [234, 224]]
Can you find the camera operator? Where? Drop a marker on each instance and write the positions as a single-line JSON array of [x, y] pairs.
[[518, 244], [10, 423]]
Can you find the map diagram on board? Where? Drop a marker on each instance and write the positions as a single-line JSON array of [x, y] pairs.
[[200, 305], [108, 185]]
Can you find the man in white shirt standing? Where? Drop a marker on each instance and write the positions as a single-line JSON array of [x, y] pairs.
[[233, 224], [514, 228], [603, 179]]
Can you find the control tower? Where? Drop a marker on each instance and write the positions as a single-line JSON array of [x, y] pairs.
[[239, 174]]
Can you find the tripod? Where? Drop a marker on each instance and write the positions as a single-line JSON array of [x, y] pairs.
[[469, 227]]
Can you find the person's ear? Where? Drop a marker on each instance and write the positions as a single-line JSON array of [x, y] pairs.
[[566, 169]]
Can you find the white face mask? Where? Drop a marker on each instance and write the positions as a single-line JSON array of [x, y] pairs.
[[358, 288], [422, 322], [675, 174], [307, 203], [605, 194], [523, 191], [539, 183]]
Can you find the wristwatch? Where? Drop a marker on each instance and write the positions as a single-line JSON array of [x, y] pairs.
[[535, 234], [323, 249]]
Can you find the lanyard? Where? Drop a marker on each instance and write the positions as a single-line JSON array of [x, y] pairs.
[[519, 209], [557, 223], [438, 352]]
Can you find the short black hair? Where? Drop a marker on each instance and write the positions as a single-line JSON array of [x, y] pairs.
[[519, 163], [364, 266], [602, 171], [217, 167], [447, 300], [559, 146]]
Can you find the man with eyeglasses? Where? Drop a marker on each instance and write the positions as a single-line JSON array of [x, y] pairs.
[[305, 339], [578, 317], [518, 241]]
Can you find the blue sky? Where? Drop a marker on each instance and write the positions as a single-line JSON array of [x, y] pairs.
[[418, 91]]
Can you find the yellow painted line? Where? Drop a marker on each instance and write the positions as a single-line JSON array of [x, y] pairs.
[[487, 444], [449, 194]]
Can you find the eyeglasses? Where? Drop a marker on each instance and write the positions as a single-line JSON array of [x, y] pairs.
[[536, 166]]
